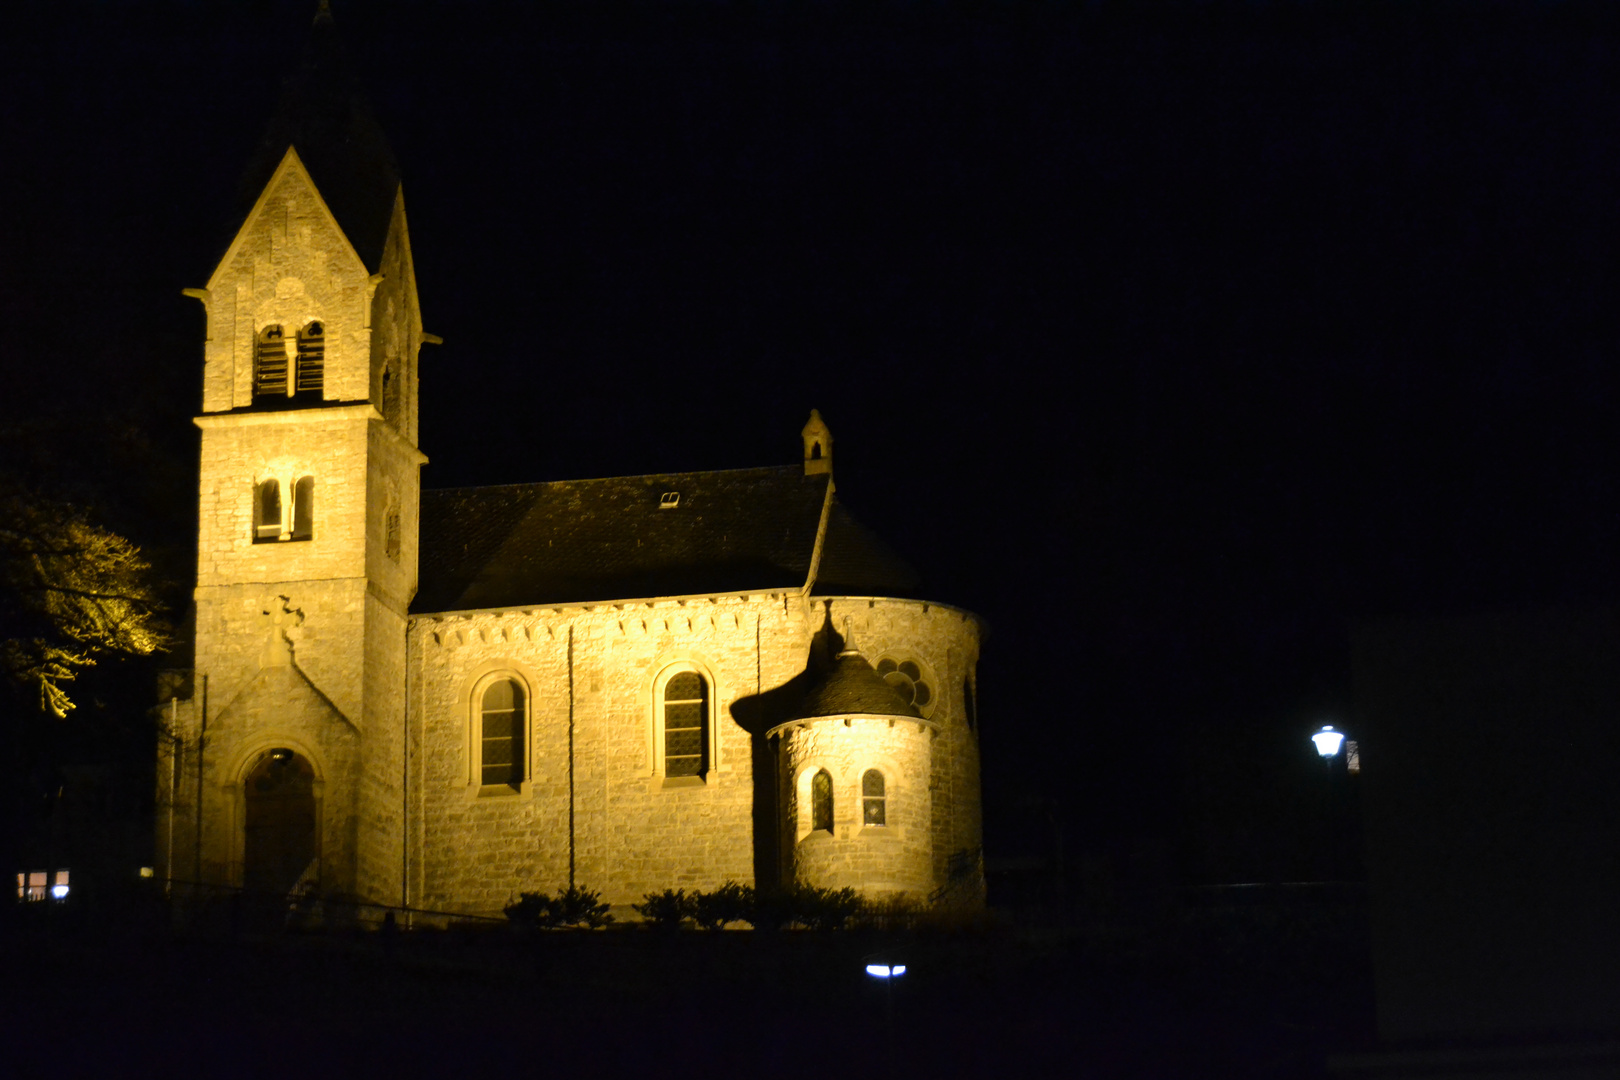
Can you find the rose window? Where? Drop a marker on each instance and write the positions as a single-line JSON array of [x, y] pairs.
[[911, 680]]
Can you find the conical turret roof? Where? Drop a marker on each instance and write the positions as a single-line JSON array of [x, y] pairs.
[[848, 686]]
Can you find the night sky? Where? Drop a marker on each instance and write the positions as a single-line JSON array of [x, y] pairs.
[[1175, 340]]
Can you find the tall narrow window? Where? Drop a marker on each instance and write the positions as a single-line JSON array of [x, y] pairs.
[[821, 808], [303, 522], [311, 359], [501, 743], [270, 364], [874, 809], [686, 707], [267, 512]]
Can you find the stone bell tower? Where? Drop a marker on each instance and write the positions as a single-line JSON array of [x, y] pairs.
[[307, 515]]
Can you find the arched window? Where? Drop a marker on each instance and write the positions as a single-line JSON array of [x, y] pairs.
[[874, 803], [686, 711], [267, 512], [311, 359], [270, 364], [501, 728], [303, 522], [821, 801]]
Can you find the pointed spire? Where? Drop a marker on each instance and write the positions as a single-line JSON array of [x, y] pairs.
[[325, 116], [817, 445]]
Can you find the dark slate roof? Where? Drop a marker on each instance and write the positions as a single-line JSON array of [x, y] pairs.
[[582, 540], [849, 686], [323, 114], [856, 562]]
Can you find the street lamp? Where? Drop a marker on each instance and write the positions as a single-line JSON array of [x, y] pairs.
[[1328, 742]]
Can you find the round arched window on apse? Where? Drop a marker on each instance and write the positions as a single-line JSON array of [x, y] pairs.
[[912, 679]]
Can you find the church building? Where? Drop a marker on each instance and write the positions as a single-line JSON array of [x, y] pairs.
[[442, 699]]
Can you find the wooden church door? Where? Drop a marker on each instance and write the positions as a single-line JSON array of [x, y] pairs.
[[280, 844]]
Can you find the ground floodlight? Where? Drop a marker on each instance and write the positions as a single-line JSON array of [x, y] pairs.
[[59, 891], [1328, 741], [885, 971]]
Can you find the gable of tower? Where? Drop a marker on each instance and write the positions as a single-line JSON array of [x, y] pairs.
[[290, 270]]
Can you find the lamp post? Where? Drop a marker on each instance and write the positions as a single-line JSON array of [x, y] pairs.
[[1329, 742], [886, 972]]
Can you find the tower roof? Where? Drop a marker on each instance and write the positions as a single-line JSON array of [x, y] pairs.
[[325, 116]]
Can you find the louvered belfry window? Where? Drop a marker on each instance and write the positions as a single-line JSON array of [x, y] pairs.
[[270, 364], [874, 808], [821, 801], [311, 359], [686, 701], [501, 745]]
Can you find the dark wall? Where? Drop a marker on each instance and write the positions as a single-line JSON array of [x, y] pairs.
[[1489, 768]]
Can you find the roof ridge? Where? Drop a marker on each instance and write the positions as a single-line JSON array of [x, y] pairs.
[[605, 479]]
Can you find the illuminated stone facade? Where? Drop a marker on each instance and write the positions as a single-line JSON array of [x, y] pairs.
[[536, 719]]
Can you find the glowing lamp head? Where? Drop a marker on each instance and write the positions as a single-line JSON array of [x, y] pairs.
[[1328, 741], [885, 971], [59, 891]]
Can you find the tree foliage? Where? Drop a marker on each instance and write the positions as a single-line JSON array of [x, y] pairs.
[[71, 593]]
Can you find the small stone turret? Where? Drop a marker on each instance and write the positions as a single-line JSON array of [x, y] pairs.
[[817, 445], [855, 767]]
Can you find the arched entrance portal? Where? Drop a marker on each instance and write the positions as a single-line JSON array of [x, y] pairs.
[[280, 843]]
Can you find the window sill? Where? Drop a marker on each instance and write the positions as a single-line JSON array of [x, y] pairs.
[[521, 791], [279, 540], [671, 782]]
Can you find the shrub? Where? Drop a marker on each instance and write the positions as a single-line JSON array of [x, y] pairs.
[[897, 911], [573, 907], [729, 903], [531, 909], [581, 907], [827, 909], [668, 909]]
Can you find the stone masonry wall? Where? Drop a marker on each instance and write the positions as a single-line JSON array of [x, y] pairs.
[[592, 674], [895, 857]]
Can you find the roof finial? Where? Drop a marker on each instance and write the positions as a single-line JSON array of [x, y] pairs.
[[323, 14], [817, 445], [849, 648]]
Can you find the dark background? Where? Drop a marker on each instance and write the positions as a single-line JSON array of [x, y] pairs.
[[1173, 339]]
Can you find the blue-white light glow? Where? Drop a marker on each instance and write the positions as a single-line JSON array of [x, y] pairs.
[[1328, 741], [884, 971]]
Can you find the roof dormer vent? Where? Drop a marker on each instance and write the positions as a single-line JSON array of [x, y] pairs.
[[669, 500]]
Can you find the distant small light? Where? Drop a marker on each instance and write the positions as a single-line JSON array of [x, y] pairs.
[[59, 891], [146, 871], [884, 971], [1328, 741]]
